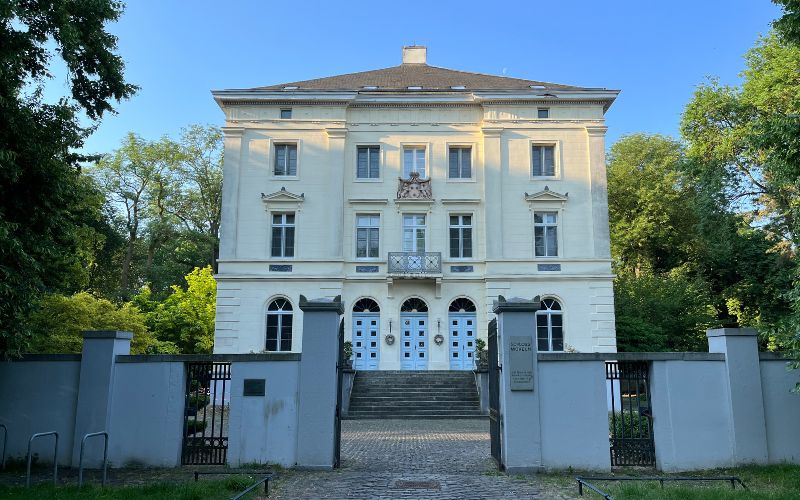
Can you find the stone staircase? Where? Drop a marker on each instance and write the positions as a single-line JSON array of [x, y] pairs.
[[414, 394]]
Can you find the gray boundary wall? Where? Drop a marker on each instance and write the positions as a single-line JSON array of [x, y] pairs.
[[731, 406]]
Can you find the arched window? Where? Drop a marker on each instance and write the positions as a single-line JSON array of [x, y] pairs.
[[414, 304], [366, 306], [279, 325], [550, 326], [462, 304]]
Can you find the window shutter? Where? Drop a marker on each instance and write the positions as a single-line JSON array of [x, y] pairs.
[[466, 163], [454, 163], [537, 160], [361, 166], [374, 163], [292, 170], [549, 163]]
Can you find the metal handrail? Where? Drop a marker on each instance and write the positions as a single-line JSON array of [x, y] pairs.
[[253, 486], [105, 456], [55, 457], [5, 442], [584, 481]]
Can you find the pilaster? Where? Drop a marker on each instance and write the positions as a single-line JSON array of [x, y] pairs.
[[335, 196], [597, 169], [231, 168], [493, 191]]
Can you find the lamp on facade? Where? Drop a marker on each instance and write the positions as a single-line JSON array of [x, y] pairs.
[[438, 324], [390, 325]]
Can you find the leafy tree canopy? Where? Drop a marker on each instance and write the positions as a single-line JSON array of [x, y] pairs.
[[42, 200]]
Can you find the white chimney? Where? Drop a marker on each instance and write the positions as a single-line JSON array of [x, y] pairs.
[[415, 54]]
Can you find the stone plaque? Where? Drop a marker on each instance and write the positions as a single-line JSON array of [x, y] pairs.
[[254, 387], [367, 269], [548, 267], [280, 268], [461, 269], [520, 361]]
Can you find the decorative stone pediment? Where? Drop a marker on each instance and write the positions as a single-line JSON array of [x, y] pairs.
[[546, 195], [414, 188], [283, 200]]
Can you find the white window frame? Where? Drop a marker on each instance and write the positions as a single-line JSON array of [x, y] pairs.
[[274, 154], [280, 113], [460, 225], [557, 225], [280, 314], [357, 227], [473, 158], [282, 224], [381, 162], [540, 109], [426, 155], [549, 314], [556, 160], [414, 227]]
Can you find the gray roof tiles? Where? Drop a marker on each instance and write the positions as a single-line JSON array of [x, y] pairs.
[[400, 78]]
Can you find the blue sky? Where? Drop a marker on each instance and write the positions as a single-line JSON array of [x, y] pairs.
[[655, 52]]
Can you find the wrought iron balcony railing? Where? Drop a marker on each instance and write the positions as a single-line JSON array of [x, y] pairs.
[[415, 263]]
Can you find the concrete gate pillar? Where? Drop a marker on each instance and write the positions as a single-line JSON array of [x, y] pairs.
[[745, 397], [317, 383], [95, 390], [519, 384]]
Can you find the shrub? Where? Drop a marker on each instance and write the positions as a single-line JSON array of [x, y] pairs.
[[348, 350], [193, 426], [628, 423]]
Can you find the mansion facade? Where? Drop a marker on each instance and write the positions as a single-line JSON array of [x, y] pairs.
[[419, 195]]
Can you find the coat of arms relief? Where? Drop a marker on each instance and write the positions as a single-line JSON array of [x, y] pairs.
[[414, 188]]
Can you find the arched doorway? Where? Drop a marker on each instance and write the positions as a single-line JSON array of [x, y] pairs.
[[366, 334], [414, 334], [462, 320]]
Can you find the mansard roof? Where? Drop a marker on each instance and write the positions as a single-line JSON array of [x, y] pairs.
[[429, 78]]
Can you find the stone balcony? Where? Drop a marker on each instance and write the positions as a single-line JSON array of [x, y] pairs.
[[415, 265]]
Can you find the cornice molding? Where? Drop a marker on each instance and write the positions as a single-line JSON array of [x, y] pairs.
[[283, 199], [492, 131], [233, 132], [598, 130]]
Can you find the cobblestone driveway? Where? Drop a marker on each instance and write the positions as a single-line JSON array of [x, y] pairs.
[[413, 459]]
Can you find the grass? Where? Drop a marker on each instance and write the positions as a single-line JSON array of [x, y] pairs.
[[772, 482], [201, 490]]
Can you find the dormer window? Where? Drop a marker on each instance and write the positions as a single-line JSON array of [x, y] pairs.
[[370, 87], [458, 87], [538, 87], [286, 113], [414, 87], [290, 87]]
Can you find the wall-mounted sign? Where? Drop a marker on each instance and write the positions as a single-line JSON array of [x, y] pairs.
[[255, 387], [520, 362]]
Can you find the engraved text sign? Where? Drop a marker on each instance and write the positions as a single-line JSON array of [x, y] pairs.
[[520, 360]]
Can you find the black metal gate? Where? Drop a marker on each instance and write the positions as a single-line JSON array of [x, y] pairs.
[[494, 395], [340, 365], [631, 418], [205, 422]]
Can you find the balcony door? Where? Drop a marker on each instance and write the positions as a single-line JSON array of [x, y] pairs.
[[414, 335], [414, 235]]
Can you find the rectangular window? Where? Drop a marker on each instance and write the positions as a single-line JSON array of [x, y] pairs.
[[286, 113], [545, 232], [461, 236], [414, 231], [367, 162], [414, 161], [543, 112], [549, 331], [282, 235], [279, 332], [543, 161], [285, 159], [460, 163], [367, 236]]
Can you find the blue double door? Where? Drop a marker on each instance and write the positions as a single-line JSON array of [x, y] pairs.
[[413, 341], [462, 341], [366, 341]]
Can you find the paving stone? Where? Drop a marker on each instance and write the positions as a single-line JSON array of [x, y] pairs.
[[413, 459]]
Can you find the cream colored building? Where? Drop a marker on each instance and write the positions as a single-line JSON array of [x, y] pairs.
[[419, 194]]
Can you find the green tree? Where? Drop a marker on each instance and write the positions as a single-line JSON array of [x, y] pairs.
[[650, 206], [186, 317], [788, 25], [40, 192], [60, 321], [662, 312]]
